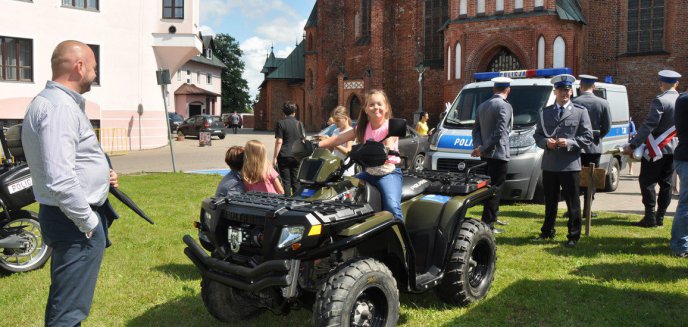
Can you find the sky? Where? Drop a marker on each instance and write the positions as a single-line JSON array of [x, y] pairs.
[[257, 25]]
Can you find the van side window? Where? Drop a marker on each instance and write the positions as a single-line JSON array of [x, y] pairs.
[[602, 93]]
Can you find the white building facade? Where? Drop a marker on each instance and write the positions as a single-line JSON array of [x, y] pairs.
[[132, 39]]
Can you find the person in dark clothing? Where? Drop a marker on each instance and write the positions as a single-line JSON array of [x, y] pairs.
[[491, 143], [288, 131], [232, 183], [656, 165], [679, 229]]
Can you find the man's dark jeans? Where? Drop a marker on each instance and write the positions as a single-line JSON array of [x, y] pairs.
[[289, 171]]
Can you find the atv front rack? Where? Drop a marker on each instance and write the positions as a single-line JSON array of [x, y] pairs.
[[273, 205], [450, 183]]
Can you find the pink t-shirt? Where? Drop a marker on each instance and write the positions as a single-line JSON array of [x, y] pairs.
[[266, 186], [379, 134]]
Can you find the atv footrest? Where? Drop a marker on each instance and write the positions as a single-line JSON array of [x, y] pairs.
[[267, 274], [429, 279]]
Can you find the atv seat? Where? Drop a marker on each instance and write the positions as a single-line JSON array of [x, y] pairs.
[[413, 186]]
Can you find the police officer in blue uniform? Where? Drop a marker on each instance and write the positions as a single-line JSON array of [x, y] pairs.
[[600, 120], [491, 131], [656, 166], [562, 131]]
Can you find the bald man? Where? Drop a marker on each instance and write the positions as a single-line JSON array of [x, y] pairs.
[[71, 179]]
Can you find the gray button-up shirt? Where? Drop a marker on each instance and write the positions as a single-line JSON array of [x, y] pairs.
[[68, 166]]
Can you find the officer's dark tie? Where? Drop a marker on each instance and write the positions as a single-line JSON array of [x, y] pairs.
[[561, 112]]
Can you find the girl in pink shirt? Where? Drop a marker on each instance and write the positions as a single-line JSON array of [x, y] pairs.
[[258, 175], [374, 123]]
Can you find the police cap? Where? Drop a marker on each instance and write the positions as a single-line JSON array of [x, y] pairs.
[[588, 79], [669, 76], [564, 81], [501, 81]]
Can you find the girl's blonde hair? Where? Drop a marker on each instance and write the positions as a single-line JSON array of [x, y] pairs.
[[255, 162], [341, 112], [362, 123]]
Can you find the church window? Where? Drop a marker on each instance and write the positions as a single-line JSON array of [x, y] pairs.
[[436, 14], [559, 53], [645, 26]]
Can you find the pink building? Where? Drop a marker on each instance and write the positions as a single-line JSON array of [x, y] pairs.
[[132, 39]]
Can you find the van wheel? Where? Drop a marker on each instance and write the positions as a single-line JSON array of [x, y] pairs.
[[361, 292], [471, 268], [612, 181]]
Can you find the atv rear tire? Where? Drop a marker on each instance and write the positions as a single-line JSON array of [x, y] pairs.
[[471, 268], [360, 292], [226, 303]]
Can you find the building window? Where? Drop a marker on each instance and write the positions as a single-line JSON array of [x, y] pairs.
[[541, 53], [96, 52], [16, 59], [481, 7], [357, 26], [179, 75], [539, 4], [504, 60], [463, 8], [559, 53], [173, 9], [364, 36], [457, 65], [436, 14], [209, 78], [518, 5], [81, 4], [499, 6], [645, 26], [449, 66], [198, 78], [209, 54]]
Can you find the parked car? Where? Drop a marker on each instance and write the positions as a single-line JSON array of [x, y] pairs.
[[412, 147], [202, 123], [175, 120]]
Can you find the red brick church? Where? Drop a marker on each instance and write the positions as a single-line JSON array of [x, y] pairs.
[[353, 46]]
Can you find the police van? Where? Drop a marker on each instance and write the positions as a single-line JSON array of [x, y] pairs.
[[531, 91]]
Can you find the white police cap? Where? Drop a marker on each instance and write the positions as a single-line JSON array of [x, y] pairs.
[[502, 81], [563, 81], [588, 79], [669, 76]]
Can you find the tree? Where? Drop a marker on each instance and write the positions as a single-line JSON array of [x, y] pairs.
[[235, 95]]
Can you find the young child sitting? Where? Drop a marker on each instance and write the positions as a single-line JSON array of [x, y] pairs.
[[232, 184], [258, 175]]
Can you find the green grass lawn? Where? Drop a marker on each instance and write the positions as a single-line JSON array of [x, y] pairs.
[[619, 276]]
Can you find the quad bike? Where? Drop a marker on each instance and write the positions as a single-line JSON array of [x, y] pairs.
[[21, 243], [332, 249]]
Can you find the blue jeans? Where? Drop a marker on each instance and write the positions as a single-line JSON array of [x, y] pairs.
[[679, 229], [390, 190]]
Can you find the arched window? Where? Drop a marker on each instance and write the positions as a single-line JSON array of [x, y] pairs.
[[449, 66], [499, 6], [504, 60], [559, 53], [435, 15], [541, 53], [457, 65], [646, 21], [463, 8], [518, 4], [481, 6], [539, 3]]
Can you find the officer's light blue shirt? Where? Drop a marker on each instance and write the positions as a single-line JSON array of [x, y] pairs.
[[68, 166]]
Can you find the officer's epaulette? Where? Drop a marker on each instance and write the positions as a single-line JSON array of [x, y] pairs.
[[579, 106]]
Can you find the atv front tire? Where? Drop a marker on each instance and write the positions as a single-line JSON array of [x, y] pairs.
[[226, 303], [360, 292], [471, 268]]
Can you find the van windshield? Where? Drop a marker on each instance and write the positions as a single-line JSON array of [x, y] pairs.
[[527, 101]]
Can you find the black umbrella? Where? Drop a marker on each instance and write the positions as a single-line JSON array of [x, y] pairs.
[[124, 198]]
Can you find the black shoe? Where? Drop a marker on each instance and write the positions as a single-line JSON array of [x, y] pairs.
[[542, 238], [503, 223], [571, 243], [497, 231], [645, 223], [565, 215]]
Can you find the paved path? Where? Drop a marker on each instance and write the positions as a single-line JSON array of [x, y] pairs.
[[189, 156]]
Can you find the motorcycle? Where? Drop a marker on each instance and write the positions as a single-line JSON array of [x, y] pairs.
[[22, 247]]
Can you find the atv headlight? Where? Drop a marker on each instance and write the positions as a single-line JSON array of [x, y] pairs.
[[522, 140], [206, 217], [290, 235]]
